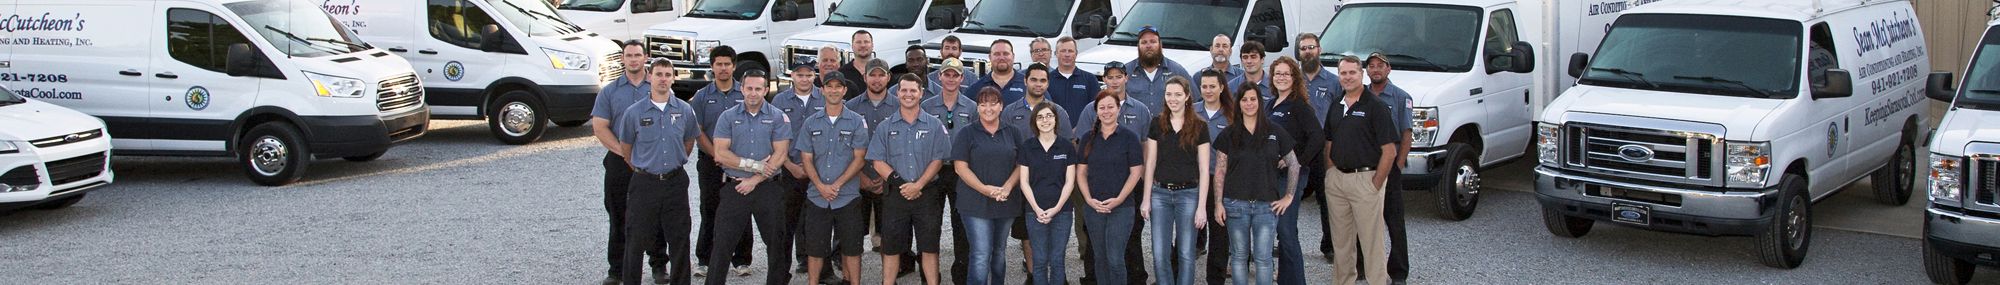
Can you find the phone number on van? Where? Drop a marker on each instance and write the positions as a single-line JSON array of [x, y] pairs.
[[34, 77]]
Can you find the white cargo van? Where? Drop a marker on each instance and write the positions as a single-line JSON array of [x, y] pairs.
[[1962, 218], [514, 63], [1187, 26], [621, 19], [755, 28], [894, 24], [1732, 117], [50, 156], [1020, 22], [275, 83]]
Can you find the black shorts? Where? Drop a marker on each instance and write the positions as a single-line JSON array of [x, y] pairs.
[[898, 218], [823, 230]]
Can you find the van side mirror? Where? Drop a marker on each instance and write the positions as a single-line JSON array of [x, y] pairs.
[[1839, 84], [941, 19], [240, 61], [1519, 58], [1110, 25], [1577, 62], [489, 38], [1938, 86]]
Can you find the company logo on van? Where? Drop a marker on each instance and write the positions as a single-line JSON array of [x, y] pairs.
[[196, 98], [454, 71], [353, 7]]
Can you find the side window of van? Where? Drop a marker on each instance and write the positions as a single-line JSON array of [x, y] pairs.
[[1501, 33], [809, 11], [649, 6], [200, 38], [1820, 56], [457, 22], [1269, 13], [1090, 8]]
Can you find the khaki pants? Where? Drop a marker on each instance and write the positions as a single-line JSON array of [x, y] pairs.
[[1354, 207]]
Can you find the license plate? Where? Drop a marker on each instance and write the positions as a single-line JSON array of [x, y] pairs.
[[1632, 214]]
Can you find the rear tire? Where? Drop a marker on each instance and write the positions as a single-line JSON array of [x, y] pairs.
[[65, 202], [1894, 181], [1458, 190], [1564, 225], [1785, 242], [273, 154], [517, 118], [1944, 269]]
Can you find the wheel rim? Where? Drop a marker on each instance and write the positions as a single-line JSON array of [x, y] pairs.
[[1795, 218], [1905, 171], [516, 119], [268, 155], [1466, 184]]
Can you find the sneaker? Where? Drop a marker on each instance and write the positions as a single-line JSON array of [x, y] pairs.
[[742, 270], [701, 271]]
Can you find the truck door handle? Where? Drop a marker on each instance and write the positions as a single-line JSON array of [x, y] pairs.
[[618, 21], [167, 75], [399, 49], [426, 51], [129, 72]]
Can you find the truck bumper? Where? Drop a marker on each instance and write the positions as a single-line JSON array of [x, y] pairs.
[[1963, 237], [569, 102], [1711, 211], [344, 136], [1420, 175]]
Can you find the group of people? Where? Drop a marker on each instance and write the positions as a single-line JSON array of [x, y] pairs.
[[1214, 161]]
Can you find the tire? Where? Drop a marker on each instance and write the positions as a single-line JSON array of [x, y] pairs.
[[1564, 225], [517, 118], [1785, 241], [571, 124], [1458, 190], [1944, 269], [368, 157], [65, 202], [1894, 181], [273, 154]]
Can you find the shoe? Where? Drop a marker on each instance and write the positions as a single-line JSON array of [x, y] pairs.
[[701, 271], [1398, 282], [660, 277], [742, 270], [613, 280]]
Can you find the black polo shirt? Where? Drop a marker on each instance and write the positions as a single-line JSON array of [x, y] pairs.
[[1176, 161], [1111, 161], [1358, 132], [990, 156], [1253, 161], [1297, 118], [856, 80], [1047, 168]]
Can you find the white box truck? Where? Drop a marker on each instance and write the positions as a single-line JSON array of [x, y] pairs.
[[274, 83], [1962, 216], [1730, 118], [1187, 26], [50, 156], [514, 63], [895, 25], [755, 28], [1020, 22], [620, 19]]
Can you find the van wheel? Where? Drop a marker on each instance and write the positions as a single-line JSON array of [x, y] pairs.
[[516, 118], [65, 202], [273, 154], [1784, 242], [571, 124], [368, 157], [1944, 269], [1458, 190], [1564, 225], [1893, 181]]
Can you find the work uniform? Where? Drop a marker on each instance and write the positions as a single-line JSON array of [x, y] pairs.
[[709, 102], [1021, 115], [1321, 90], [1072, 91], [989, 153], [1251, 181], [1297, 119], [1354, 201], [971, 77], [1110, 161], [1176, 194], [1012, 91], [752, 136], [1398, 102], [796, 108], [1150, 87], [610, 103], [1132, 115], [1047, 171], [840, 223], [1232, 72], [909, 147], [958, 115], [656, 203]]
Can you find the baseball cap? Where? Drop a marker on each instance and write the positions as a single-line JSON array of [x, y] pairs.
[[806, 64], [876, 63], [954, 66], [1149, 29], [835, 77]]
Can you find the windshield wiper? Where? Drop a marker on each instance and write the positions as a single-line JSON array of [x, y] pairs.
[[1635, 76], [975, 23], [1984, 91], [1024, 30], [873, 16], [1434, 65], [308, 42], [1717, 80]]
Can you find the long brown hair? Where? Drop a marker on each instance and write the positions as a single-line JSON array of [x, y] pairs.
[[1165, 122], [1245, 90], [1298, 90], [1094, 130]]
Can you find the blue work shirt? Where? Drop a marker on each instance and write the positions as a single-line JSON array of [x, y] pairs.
[[1132, 115], [873, 112], [797, 110], [659, 137], [1010, 93], [1322, 90], [615, 97], [1399, 106], [990, 156], [1074, 90], [1046, 169], [909, 147], [1111, 161], [1021, 116], [1150, 88], [709, 102], [752, 135], [832, 142], [1263, 90], [961, 113], [1233, 72], [1217, 120]]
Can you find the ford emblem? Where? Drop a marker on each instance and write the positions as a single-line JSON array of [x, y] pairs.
[[1628, 214], [1635, 153], [72, 138]]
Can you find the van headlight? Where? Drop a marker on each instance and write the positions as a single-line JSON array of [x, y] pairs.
[[1747, 162], [1423, 126], [701, 50], [567, 60], [1944, 178], [1548, 139], [335, 86]]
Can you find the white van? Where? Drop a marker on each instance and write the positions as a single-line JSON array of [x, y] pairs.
[[1962, 218], [514, 63], [755, 28], [49, 155], [1187, 26], [621, 19], [1020, 22], [894, 24], [274, 83], [1733, 117]]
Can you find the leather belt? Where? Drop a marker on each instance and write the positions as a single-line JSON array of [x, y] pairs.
[[1355, 170], [1175, 186]]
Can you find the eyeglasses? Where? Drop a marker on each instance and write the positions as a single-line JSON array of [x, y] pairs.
[[1041, 50], [1045, 116], [1308, 47]]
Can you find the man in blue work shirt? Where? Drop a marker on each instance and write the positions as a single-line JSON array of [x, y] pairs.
[[950, 105], [1254, 72], [709, 102], [1149, 75], [1218, 51], [655, 135], [1392, 201], [832, 144], [1003, 74], [1070, 87], [1132, 115], [798, 102], [952, 48], [909, 149], [1018, 114], [751, 142], [611, 102]]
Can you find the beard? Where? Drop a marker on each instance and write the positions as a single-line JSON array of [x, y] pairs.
[[1151, 59], [1221, 60], [1311, 65]]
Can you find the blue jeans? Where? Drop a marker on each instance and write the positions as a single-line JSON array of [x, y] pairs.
[[1110, 232], [1252, 230], [1173, 234], [986, 238], [1051, 247], [1291, 258]]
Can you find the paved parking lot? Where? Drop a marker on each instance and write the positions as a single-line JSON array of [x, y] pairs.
[[457, 207]]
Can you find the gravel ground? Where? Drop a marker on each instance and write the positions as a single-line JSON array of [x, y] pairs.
[[457, 207]]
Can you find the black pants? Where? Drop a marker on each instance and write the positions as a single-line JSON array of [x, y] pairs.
[[1218, 248], [617, 182], [657, 206], [795, 201], [1392, 213], [961, 258], [711, 183], [766, 206]]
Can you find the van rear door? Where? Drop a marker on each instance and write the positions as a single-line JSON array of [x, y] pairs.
[[82, 55], [194, 99]]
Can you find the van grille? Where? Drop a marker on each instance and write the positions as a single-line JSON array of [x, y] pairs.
[[397, 93], [797, 54], [675, 49], [1983, 185], [1673, 157], [612, 68], [76, 168]]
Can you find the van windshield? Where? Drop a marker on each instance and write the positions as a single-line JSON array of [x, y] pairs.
[[1982, 85], [1417, 37], [7, 97], [592, 5], [874, 14], [1027, 18], [1702, 54], [535, 15], [1183, 24], [297, 27], [730, 9]]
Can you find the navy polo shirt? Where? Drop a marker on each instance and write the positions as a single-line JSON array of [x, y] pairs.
[[832, 143], [1021, 116], [752, 135], [658, 136], [1047, 167], [1074, 90], [961, 113], [1131, 115], [990, 156], [1150, 88], [709, 102], [1111, 161], [909, 147], [1013, 91]]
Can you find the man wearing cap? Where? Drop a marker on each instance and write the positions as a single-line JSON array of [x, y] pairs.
[[1069, 86], [612, 101], [909, 148], [709, 102], [751, 142], [956, 110], [1003, 75], [1149, 75], [832, 144], [863, 45], [952, 48], [797, 102], [654, 135], [1392, 201]]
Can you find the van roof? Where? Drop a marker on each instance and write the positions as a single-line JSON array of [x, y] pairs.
[[1797, 10], [1474, 3]]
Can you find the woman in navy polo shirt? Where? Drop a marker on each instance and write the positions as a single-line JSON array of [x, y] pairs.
[[984, 154], [1252, 184], [1112, 162], [1047, 163]]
